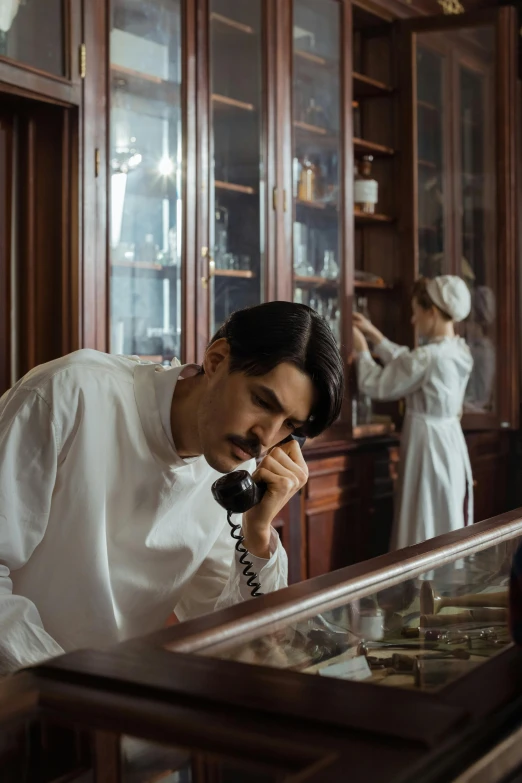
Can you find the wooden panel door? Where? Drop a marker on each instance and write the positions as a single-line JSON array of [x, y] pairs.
[[458, 195], [39, 235]]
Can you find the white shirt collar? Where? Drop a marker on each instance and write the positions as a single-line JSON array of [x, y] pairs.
[[154, 388]]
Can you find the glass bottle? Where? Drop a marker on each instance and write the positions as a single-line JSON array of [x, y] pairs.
[[297, 167], [149, 250], [315, 115], [306, 181], [366, 188]]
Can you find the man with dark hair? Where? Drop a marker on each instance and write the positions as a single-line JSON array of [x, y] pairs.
[[107, 521]]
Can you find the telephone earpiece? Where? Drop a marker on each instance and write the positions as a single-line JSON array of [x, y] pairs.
[[237, 492]]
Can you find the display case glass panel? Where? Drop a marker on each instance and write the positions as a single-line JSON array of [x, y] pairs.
[[456, 188], [238, 192], [417, 633], [33, 33], [477, 229], [150, 762], [316, 157], [432, 70], [146, 169]]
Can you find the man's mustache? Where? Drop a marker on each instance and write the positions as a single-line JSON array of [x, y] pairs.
[[251, 445]]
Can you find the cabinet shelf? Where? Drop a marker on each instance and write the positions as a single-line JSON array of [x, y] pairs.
[[427, 164], [230, 186], [373, 430], [147, 265], [232, 23], [246, 274], [362, 217], [145, 85], [428, 106], [371, 284], [224, 102], [316, 281], [366, 87], [311, 58], [362, 146], [305, 126], [318, 205]]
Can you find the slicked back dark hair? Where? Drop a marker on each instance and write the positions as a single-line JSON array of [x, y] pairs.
[[264, 336]]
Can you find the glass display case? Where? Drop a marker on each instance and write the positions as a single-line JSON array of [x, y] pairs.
[[422, 633], [440, 612], [316, 168], [146, 170], [400, 668]]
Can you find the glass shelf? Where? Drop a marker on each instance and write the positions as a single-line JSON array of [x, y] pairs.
[[362, 217]]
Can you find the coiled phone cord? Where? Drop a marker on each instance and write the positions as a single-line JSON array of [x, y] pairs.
[[240, 549]]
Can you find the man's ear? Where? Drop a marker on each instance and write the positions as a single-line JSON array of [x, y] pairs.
[[216, 357]]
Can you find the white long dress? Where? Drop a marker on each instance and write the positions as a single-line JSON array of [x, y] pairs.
[[435, 471]]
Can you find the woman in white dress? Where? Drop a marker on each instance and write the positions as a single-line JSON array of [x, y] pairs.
[[435, 472]]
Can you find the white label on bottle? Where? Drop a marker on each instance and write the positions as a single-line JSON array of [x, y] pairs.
[[366, 191]]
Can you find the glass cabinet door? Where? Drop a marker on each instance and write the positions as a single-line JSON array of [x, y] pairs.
[[146, 176], [456, 161], [33, 33], [431, 148], [316, 157], [237, 198], [477, 225]]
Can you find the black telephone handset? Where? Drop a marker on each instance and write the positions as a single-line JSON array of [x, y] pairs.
[[237, 492]]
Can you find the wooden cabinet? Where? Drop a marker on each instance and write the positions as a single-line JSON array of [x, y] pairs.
[[163, 163], [491, 456]]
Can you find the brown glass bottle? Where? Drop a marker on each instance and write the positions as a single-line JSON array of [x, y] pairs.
[[366, 188]]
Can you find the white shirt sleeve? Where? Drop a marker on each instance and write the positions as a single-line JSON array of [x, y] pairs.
[[387, 351], [404, 373], [28, 464], [220, 581]]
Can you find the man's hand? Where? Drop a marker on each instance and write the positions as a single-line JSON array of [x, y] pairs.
[[284, 471]]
